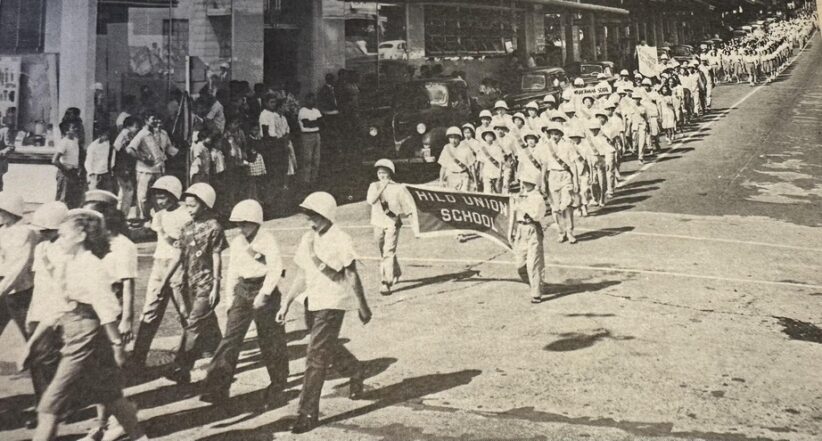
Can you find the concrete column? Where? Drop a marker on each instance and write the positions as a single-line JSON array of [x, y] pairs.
[[645, 35], [654, 35], [572, 40], [247, 42], [78, 47], [326, 51], [415, 30], [592, 35], [534, 30], [673, 26], [605, 35], [564, 36]]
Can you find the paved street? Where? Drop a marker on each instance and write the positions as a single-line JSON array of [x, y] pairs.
[[689, 309]]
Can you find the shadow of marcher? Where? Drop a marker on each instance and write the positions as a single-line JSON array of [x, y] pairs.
[[441, 278], [605, 232], [12, 415], [557, 291], [408, 389]]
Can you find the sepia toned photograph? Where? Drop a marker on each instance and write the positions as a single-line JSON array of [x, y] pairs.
[[410, 220]]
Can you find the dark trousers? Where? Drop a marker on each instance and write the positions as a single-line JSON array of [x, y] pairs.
[[270, 337], [323, 349], [15, 307], [44, 357], [201, 333]]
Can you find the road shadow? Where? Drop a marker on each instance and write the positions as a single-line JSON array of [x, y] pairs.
[[668, 158], [643, 183], [555, 291], [441, 278], [574, 341], [619, 199], [12, 411], [635, 190], [608, 209], [408, 389], [249, 405], [605, 232]]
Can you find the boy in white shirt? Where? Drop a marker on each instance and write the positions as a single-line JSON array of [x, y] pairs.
[[99, 163], [168, 222], [255, 270], [67, 160], [310, 118], [328, 281], [389, 202]]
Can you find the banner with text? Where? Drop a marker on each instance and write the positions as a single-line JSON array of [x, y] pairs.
[[439, 212], [648, 61], [593, 91]]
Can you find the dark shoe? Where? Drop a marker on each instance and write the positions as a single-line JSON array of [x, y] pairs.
[[274, 398], [179, 376], [355, 389], [215, 396], [385, 290], [304, 423]]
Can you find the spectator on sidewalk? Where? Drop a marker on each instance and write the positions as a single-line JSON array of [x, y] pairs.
[[67, 160], [151, 147], [7, 136], [100, 158], [310, 119], [125, 164]]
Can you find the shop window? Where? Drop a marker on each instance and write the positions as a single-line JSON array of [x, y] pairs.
[[21, 26], [457, 30], [376, 48]]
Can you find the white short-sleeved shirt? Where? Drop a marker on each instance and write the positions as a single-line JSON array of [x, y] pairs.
[[397, 199], [491, 168], [274, 123], [17, 244], [69, 150], [46, 301], [336, 250], [259, 258], [98, 159], [311, 114], [532, 204], [84, 278], [169, 225], [450, 155], [121, 261]]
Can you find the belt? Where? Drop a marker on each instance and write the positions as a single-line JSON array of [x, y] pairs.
[[525, 222], [251, 280]]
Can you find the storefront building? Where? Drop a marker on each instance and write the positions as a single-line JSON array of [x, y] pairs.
[[144, 52]]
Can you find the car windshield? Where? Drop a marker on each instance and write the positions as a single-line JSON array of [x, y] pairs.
[[534, 81], [681, 51], [386, 46], [422, 96], [590, 69]]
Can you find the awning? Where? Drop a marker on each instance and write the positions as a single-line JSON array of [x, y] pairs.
[[555, 3], [579, 6], [140, 3]]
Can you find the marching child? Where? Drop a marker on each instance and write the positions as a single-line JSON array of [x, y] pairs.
[[328, 281], [388, 201], [168, 222], [563, 181], [44, 352], [93, 351], [527, 236], [201, 242], [255, 271], [491, 160]]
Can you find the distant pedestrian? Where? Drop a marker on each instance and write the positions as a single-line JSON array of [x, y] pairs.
[[152, 147], [67, 160], [125, 164], [310, 118], [100, 159], [328, 281]]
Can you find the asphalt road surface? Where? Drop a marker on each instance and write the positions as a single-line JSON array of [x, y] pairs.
[[689, 309]]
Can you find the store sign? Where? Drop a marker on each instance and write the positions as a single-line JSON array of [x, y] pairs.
[[442, 212], [9, 86]]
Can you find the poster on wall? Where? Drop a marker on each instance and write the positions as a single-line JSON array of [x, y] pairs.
[[9, 88]]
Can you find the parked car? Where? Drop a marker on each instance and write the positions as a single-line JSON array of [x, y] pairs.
[[536, 83], [682, 53], [393, 50], [412, 128], [589, 71]]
